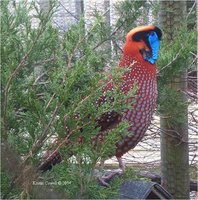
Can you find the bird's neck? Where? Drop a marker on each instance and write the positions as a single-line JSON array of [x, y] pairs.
[[128, 60]]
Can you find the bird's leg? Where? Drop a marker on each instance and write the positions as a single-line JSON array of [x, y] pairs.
[[101, 165], [121, 164], [104, 180]]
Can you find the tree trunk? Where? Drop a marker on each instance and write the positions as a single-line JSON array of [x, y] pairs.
[[79, 4], [108, 21], [174, 149]]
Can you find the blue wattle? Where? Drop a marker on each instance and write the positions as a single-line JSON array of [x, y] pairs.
[[155, 45]]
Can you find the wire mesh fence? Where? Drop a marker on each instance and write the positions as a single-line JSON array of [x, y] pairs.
[[148, 150]]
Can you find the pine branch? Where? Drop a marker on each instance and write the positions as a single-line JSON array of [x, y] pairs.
[[15, 72], [7, 87], [171, 62]]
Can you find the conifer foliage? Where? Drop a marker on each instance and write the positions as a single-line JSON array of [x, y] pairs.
[[50, 83]]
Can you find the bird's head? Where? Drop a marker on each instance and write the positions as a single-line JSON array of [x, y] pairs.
[[142, 44]]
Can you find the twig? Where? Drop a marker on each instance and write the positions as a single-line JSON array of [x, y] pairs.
[[52, 58], [51, 99], [39, 142], [64, 142], [109, 38], [178, 136], [191, 9], [82, 101], [195, 155], [196, 57], [7, 88], [171, 62], [39, 77], [194, 54], [74, 16], [14, 73]]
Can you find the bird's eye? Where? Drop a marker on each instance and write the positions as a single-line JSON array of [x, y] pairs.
[[145, 54], [151, 33]]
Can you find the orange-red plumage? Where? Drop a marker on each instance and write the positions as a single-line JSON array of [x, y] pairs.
[[142, 73]]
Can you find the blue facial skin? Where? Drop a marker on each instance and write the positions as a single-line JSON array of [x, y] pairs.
[[155, 45]]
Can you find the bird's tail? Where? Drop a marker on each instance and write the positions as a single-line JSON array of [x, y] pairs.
[[50, 159]]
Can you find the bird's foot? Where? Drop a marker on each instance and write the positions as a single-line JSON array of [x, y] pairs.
[[106, 178]]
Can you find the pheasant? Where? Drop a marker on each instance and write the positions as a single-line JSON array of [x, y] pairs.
[[140, 54]]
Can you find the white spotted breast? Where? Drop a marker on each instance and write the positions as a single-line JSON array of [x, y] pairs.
[[140, 114]]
